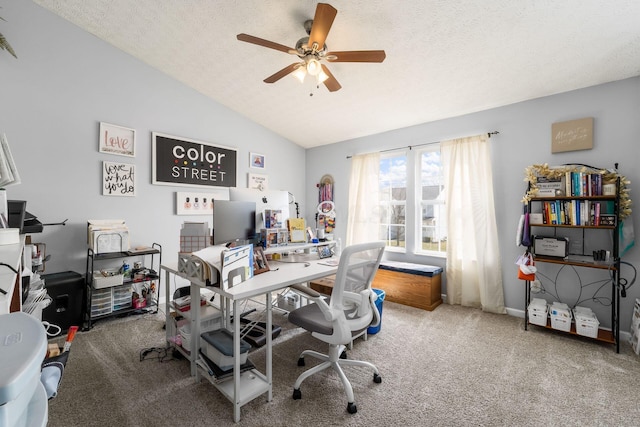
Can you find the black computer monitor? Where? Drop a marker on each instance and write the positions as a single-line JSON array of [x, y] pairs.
[[234, 221]]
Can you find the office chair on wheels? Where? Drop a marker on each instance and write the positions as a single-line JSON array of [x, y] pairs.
[[350, 310]]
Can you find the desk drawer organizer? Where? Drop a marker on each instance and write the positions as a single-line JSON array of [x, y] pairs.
[[106, 301]]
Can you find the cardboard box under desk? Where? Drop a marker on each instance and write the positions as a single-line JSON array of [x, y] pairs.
[[401, 287]]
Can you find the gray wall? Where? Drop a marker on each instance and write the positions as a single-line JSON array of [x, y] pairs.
[[64, 82], [524, 139]]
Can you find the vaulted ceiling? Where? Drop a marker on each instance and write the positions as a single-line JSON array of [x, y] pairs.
[[444, 58]]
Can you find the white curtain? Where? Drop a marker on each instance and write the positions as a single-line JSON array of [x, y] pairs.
[[363, 222], [474, 273]]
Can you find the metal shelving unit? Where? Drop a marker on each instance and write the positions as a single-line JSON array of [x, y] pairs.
[[117, 300]]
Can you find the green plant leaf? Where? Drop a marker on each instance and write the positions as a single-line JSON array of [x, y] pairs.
[[4, 45]]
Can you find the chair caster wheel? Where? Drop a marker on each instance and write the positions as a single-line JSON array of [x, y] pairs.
[[377, 378], [297, 394], [352, 408], [343, 355], [301, 361]]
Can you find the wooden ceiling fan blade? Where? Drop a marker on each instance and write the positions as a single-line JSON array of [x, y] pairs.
[[280, 74], [331, 83], [356, 56], [262, 42], [322, 21]]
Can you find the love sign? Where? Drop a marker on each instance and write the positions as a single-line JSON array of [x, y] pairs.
[[117, 140]]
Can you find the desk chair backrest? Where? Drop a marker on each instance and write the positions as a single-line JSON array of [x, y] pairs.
[[352, 300]]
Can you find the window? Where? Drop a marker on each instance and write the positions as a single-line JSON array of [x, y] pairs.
[[432, 227], [393, 199], [412, 205]]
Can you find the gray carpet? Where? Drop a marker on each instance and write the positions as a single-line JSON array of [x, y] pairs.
[[454, 366]]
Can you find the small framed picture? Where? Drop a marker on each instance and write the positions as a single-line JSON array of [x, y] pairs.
[[118, 140], [256, 160], [324, 251], [259, 181], [260, 264]]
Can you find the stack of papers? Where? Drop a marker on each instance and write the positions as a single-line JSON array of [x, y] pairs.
[[107, 235]]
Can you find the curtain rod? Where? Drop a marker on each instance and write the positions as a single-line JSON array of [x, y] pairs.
[[495, 132]]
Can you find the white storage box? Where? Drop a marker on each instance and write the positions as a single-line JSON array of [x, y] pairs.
[[24, 346], [289, 301], [210, 319], [218, 346], [108, 279], [560, 316], [587, 323], [538, 312]]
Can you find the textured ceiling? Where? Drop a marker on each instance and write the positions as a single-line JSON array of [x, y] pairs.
[[445, 58]]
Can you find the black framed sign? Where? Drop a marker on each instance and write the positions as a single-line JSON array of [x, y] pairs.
[[183, 161]]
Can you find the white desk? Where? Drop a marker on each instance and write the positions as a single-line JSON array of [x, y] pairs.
[[248, 385]]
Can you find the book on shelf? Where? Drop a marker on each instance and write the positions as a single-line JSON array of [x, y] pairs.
[[550, 187], [297, 230], [273, 218], [582, 184]]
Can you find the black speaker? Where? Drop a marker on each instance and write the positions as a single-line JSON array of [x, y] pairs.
[[66, 289]]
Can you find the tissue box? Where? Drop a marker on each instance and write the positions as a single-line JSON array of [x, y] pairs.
[[218, 346], [24, 346], [560, 316]]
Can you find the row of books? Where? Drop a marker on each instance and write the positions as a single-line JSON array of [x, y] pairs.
[[578, 212], [583, 184], [573, 184]]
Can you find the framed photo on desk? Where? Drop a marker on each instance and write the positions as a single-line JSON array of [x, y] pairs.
[[260, 263], [324, 252]]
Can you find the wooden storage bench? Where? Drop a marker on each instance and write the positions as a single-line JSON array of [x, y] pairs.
[[406, 283]]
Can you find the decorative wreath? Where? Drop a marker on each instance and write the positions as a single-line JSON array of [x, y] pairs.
[[609, 176]]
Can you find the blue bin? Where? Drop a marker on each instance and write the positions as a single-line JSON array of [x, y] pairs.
[[381, 294]]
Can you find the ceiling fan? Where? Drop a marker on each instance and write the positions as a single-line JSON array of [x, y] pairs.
[[312, 50]]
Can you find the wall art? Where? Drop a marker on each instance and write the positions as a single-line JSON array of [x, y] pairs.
[[118, 179], [573, 135], [193, 203], [118, 140], [258, 181], [256, 160], [187, 162]]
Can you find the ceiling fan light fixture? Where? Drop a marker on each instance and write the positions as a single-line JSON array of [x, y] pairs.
[[313, 67], [322, 77], [300, 74]]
